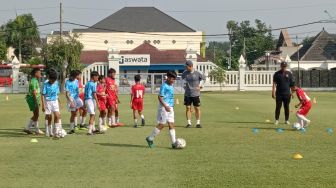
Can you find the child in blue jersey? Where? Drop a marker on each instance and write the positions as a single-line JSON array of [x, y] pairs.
[[73, 100], [50, 105], [91, 100], [165, 111]]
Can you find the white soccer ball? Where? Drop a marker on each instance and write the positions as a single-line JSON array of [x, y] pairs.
[[180, 143], [297, 126], [63, 133]]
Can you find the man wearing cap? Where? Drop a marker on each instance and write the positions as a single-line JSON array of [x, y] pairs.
[[282, 82], [192, 93]]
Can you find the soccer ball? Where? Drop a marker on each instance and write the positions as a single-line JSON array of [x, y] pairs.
[[297, 126], [180, 143], [62, 133]]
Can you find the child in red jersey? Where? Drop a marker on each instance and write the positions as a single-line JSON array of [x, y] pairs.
[[137, 94], [111, 91], [101, 96], [304, 106]]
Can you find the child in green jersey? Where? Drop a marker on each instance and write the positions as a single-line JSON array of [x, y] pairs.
[[33, 100]]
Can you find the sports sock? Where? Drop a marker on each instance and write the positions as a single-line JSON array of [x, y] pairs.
[[189, 122], [109, 121], [72, 126], [100, 121], [29, 124], [36, 125], [83, 120], [113, 120], [135, 121], [172, 135], [75, 121], [104, 120], [47, 128], [142, 116], [302, 117], [90, 129], [198, 122], [58, 129], [155, 132], [117, 119]]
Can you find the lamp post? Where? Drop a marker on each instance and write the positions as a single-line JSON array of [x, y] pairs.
[[65, 66], [267, 61]]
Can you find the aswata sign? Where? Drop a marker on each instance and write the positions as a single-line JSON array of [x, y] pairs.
[[134, 60]]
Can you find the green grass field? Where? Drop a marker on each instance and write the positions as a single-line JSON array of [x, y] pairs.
[[225, 153]]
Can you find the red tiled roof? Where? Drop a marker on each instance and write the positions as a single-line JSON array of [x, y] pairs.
[[92, 56]]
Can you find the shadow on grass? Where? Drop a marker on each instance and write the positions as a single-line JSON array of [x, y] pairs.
[[246, 122], [267, 128], [17, 133], [122, 145]]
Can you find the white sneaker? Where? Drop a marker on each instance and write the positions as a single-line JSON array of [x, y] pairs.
[[287, 122], [276, 122]]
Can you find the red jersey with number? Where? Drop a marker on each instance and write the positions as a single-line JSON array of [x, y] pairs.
[[138, 92], [101, 95], [111, 89]]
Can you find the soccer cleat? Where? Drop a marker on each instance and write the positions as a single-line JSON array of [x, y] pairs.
[[83, 127], [189, 126], [150, 142], [135, 126], [276, 122], [143, 122], [71, 132], [174, 146], [287, 123], [39, 132], [27, 131], [198, 126]]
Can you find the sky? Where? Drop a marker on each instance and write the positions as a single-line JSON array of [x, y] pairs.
[[209, 16]]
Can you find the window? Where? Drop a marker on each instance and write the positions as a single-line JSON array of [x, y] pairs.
[[105, 41], [156, 41], [147, 41], [129, 41]]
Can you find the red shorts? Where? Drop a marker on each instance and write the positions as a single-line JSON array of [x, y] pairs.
[[111, 103], [102, 105], [137, 104], [304, 109]]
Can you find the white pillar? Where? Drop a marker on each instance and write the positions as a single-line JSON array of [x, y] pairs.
[[242, 69], [114, 58], [15, 77]]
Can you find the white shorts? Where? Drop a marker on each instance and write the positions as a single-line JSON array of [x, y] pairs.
[[51, 107], [163, 116], [90, 105], [78, 103]]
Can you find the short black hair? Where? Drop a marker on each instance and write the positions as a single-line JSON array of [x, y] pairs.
[[171, 74], [101, 77], [94, 73], [34, 71], [74, 73], [79, 72], [111, 70], [137, 78], [52, 75]]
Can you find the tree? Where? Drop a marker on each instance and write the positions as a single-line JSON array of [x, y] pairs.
[[257, 40], [219, 75], [3, 51], [217, 52], [59, 51], [23, 35]]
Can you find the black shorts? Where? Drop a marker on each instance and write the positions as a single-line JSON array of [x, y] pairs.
[[195, 101]]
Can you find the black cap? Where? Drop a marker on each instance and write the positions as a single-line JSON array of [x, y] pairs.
[[283, 64], [189, 63]]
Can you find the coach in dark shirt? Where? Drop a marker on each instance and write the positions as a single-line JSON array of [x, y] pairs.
[[282, 82]]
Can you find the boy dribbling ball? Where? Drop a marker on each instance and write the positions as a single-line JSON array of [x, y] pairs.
[[33, 100], [304, 107], [101, 96], [91, 100], [73, 100], [50, 105], [165, 112], [137, 94]]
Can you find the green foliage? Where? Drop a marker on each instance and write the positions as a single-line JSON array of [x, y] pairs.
[[59, 51], [3, 51], [217, 52], [219, 75], [258, 39], [22, 33]]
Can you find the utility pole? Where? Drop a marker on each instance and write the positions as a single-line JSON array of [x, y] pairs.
[[214, 54], [298, 60], [61, 21], [244, 51], [230, 52]]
